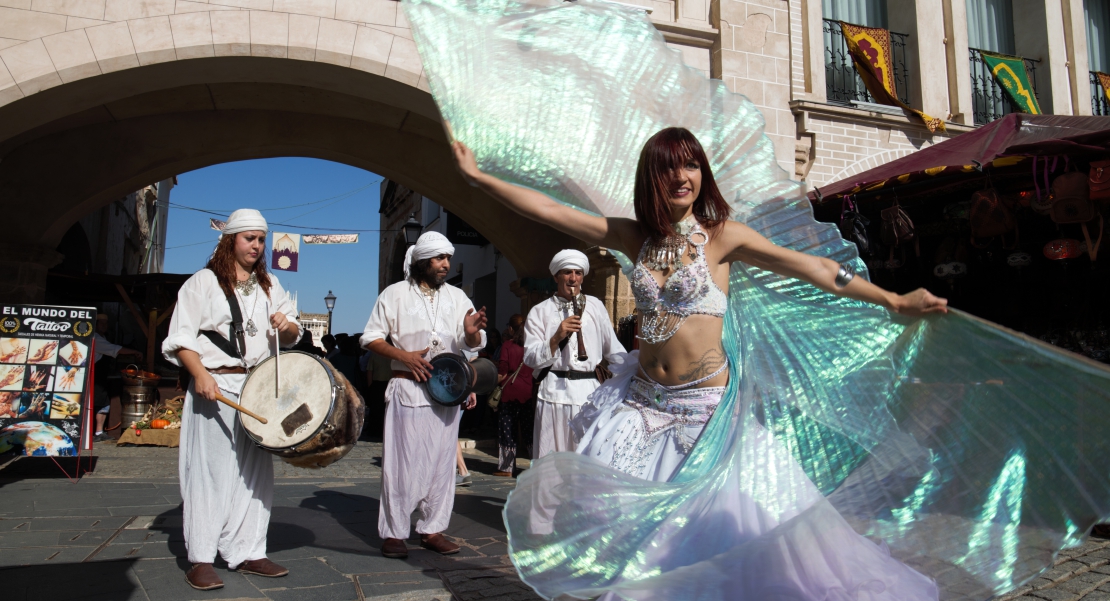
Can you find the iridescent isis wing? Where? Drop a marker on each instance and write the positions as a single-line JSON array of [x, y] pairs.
[[963, 453]]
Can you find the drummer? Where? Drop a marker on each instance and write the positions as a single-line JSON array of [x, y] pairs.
[[227, 483], [424, 317]]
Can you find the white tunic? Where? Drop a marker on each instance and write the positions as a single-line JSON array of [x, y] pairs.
[[418, 456], [227, 483], [405, 315], [601, 343]]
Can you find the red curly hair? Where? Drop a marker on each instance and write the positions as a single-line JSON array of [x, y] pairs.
[[222, 263]]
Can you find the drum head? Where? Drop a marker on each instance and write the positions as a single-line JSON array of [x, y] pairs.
[[450, 381], [298, 413]]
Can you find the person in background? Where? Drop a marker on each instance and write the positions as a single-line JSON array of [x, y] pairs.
[[329, 344], [102, 400], [551, 347], [305, 345], [346, 359], [516, 380], [378, 373]]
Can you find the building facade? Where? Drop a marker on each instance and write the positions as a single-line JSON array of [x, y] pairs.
[[317, 323]]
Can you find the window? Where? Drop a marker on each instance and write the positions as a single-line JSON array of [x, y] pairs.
[[1098, 50], [990, 28], [842, 83]]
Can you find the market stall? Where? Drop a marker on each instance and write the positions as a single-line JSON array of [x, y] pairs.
[[1006, 221]]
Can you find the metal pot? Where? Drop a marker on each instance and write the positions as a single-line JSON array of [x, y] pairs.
[[133, 376], [136, 401]]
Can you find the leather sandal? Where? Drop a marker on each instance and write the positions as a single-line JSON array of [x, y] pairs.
[[438, 543], [203, 577], [262, 567], [395, 548]]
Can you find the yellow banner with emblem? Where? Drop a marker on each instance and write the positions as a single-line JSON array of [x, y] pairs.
[[870, 49]]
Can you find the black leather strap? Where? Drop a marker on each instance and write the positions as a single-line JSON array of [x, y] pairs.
[[574, 375], [235, 345]]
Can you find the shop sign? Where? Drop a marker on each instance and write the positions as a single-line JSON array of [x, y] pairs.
[[45, 377]]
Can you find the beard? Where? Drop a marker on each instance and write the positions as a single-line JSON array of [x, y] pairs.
[[426, 274]]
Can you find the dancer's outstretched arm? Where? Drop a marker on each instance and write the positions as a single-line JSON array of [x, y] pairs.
[[741, 243], [620, 234]]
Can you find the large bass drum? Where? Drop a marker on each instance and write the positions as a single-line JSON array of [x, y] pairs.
[[314, 417]]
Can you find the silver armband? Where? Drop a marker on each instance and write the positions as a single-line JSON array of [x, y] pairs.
[[844, 275]]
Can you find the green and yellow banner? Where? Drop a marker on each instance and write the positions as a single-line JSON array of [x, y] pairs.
[[1010, 73], [870, 49]]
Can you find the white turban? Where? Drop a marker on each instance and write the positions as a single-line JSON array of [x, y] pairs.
[[428, 245], [245, 220], [569, 259]]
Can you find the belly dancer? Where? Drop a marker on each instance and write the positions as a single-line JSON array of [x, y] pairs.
[[646, 420]]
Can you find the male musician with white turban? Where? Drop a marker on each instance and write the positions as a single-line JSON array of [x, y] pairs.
[[223, 325], [557, 330], [423, 316]]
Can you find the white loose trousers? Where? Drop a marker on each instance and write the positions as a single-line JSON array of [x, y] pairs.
[[418, 465], [551, 433], [227, 483]]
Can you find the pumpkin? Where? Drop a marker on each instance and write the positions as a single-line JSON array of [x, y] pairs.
[[159, 424]]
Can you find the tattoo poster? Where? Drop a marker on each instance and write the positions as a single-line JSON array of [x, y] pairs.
[[44, 378]]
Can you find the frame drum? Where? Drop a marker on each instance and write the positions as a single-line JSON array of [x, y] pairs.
[[303, 409], [453, 378]]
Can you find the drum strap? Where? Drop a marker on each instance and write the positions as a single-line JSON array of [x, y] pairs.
[[235, 333]]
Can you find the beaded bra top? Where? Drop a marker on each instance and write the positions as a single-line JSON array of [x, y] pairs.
[[690, 290]]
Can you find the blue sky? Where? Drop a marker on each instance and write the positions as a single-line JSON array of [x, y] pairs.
[[349, 270]]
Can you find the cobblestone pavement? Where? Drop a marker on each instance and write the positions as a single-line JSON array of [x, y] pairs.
[[116, 534]]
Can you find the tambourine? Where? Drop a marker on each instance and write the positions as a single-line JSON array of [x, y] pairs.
[[453, 378]]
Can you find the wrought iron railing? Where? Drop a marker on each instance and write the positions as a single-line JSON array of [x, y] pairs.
[[842, 82], [1099, 104], [988, 100]]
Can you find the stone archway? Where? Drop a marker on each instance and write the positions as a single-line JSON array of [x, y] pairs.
[[139, 90]]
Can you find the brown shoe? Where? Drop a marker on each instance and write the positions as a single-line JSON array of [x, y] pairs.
[[503, 474], [262, 567], [395, 548], [438, 543], [203, 578]]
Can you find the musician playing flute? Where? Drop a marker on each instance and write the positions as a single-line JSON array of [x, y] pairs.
[[423, 316], [227, 482], [557, 332]]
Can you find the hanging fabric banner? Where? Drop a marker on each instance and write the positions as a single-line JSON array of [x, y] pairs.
[[216, 224], [287, 251], [1104, 81], [331, 239], [1011, 74], [870, 49]]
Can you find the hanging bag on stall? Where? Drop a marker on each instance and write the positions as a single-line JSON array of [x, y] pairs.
[[1098, 180], [853, 226], [1071, 203], [991, 217], [897, 230]]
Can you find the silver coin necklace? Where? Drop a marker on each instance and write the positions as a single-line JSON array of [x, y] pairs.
[[247, 287]]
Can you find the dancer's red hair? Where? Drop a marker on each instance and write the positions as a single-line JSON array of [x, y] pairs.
[[664, 153]]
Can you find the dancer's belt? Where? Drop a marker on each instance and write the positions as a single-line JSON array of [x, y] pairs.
[[228, 370], [574, 375]]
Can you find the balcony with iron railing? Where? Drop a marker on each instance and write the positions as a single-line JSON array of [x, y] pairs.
[[842, 83], [1099, 104], [988, 100]]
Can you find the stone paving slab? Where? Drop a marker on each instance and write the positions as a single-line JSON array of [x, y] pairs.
[[116, 534]]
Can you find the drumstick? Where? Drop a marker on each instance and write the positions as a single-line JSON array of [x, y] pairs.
[[277, 361], [240, 408]]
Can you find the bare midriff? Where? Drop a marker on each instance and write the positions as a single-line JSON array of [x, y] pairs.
[[693, 352]]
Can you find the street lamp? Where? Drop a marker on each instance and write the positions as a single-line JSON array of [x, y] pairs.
[[329, 301], [411, 229]]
